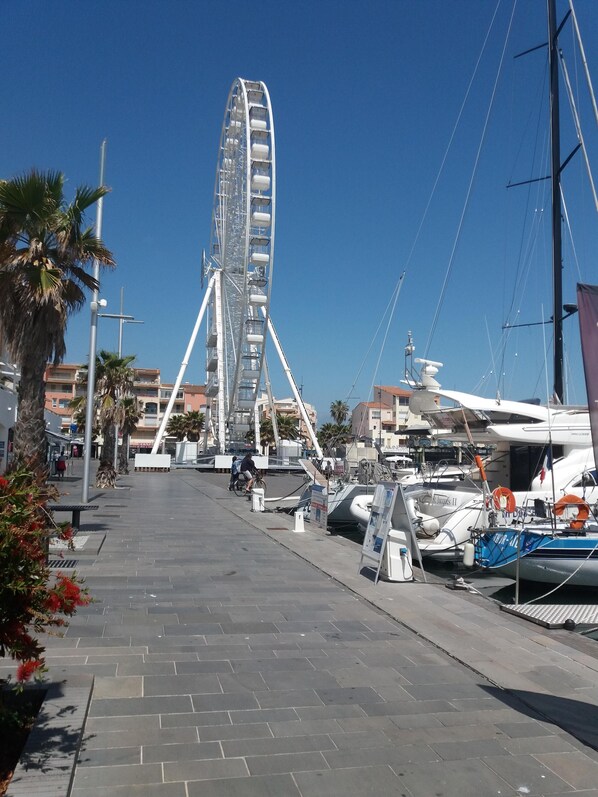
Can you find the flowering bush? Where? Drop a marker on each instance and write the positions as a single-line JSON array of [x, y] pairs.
[[32, 600]]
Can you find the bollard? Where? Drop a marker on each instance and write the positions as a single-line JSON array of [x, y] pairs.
[[299, 525], [257, 499]]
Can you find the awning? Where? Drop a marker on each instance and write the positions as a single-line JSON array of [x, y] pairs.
[[61, 438]]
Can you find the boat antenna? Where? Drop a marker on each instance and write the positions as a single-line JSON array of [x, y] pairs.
[[410, 376]]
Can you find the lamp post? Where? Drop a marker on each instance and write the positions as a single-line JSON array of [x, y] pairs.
[[122, 319], [91, 368]]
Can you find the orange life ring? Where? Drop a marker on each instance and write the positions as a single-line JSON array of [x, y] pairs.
[[503, 498], [583, 509]]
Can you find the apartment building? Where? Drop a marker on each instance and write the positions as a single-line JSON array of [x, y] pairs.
[[384, 419], [62, 386], [288, 407]]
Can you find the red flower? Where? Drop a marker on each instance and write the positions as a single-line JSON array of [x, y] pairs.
[[53, 602], [27, 668], [3, 483]]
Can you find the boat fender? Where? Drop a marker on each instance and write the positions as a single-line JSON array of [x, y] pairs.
[[583, 509], [468, 554], [425, 525], [429, 525], [504, 500]]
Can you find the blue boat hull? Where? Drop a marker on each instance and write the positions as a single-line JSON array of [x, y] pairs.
[[542, 557]]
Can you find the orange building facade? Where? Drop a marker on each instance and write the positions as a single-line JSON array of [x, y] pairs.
[[62, 386]]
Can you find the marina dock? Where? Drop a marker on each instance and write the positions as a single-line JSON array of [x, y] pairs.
[[233, 656]]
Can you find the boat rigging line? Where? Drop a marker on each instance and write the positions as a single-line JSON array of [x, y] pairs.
[[472, 177]]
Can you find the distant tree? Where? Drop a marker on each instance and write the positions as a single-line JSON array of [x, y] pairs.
[[339, 411], [194, 423], [267, 438], [78, 406], [288, 427], [326, 435], [333, 434], [114, 379], [266, 434], [177, 427], [44, 251], [131, 410]]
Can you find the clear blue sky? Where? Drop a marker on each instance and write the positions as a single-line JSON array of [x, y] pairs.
[[365, 98]]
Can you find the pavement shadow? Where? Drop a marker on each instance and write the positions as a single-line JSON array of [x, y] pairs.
[[577, 717]]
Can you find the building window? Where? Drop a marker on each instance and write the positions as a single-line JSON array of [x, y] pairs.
[[376, 414], [54, 402], [151, 408], [64, 403], [189, 408]]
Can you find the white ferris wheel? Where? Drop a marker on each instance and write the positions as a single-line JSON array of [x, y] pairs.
[[241, 258], [239, 267]]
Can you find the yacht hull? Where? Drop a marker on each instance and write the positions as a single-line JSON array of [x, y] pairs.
[[542, 557]]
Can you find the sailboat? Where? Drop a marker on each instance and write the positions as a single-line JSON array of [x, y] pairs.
[[505, 425], [562, 548]]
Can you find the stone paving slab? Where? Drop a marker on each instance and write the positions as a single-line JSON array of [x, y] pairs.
[[243, 660]]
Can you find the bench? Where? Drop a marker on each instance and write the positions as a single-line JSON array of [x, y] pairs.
[[76, 509]]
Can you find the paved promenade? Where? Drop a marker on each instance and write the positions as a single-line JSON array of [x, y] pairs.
[[233, 657]]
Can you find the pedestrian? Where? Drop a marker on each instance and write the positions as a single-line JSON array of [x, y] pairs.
[[61, 465], [248, 470], [234, 472]]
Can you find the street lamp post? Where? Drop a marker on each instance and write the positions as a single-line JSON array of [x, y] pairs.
[[91, 368], [122, 319]]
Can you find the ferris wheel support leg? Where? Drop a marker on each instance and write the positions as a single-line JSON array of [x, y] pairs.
[[272, 404], [256, 425], [292, 383], [184, 365]]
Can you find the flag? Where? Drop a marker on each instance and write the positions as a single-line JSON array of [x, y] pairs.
[[587, 303], [546, 466]]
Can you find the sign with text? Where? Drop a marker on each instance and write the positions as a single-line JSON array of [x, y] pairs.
[[380, 523], [318, 508]]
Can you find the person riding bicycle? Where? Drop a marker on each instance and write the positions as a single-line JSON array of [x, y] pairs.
[[248, 470]]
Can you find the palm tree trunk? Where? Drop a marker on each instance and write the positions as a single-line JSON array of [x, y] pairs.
[[106, 475], [123, 462], [30, 445]]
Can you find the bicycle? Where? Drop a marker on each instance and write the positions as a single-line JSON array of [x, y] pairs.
[[241, 481]]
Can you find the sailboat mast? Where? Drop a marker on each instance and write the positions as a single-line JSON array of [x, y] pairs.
[[557, 252]]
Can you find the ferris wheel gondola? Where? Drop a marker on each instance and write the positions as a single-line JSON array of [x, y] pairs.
[[241, 257]]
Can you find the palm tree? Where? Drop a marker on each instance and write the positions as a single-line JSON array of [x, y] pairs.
[[333, 434], [78, 406], [194, 422], [327, 436], [177, 427], [44, 251], [131, 410], [114, 378], [266, 434], [339, 410], [288, 428]]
